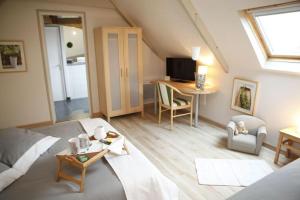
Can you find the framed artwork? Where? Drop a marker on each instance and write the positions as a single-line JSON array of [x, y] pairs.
[[243, 95], [12, 56]]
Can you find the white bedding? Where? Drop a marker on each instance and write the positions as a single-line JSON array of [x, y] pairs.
[[24, 162], [141, 180]]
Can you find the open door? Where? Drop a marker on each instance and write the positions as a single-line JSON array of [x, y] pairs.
[[65, 52], [54, 51]]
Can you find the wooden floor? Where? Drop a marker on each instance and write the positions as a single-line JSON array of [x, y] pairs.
[[173, 152]]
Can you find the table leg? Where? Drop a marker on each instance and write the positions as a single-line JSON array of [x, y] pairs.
[[155, 99], [288, 151], [196, 124], [278, 148], [59, 168], [82, 179]]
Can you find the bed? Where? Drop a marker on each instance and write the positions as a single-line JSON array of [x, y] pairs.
[[281, 184], [39, 183]]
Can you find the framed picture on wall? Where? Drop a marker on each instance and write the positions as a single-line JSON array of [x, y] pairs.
[[12, 56], [244, 95]]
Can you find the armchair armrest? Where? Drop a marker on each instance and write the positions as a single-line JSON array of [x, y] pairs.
[[183, 94], [262, 130], [230, 129], [190, 96], [261, 135]]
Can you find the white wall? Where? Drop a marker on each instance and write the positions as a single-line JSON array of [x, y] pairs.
[[166, 25], [278, 100], [151, 61], [23, 95], [76, 39]]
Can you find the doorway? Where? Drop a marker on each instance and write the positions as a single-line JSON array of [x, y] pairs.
[[64, 46]]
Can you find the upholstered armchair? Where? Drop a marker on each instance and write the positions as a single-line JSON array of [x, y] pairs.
[[248, 143]]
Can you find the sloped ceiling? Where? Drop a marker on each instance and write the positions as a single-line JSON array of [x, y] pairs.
[[90, 3], [166, 25], [223, 22]]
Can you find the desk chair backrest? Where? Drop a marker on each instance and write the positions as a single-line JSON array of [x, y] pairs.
[[168, 102], [165, 92]]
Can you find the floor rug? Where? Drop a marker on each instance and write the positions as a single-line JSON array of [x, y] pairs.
[[230, 172]]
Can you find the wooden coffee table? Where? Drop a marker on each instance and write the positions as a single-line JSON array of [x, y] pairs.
[[67, 158]]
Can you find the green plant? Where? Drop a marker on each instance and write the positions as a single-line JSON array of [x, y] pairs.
[[10, 49]]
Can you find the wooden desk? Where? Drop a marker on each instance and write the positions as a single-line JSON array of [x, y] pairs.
[[188, 88], [286, 138]]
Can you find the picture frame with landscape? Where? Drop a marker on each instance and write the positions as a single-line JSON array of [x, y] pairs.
[[244, 95], [12, 56]]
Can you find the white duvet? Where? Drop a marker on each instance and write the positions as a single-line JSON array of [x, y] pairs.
[[140, 178]]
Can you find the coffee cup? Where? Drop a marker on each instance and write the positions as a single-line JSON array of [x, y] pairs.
[[74, 145], [100, 133]]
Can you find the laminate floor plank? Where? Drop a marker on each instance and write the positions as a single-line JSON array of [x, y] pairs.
[[173, 151]]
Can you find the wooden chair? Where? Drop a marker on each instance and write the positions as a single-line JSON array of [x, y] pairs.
[[166, 100]]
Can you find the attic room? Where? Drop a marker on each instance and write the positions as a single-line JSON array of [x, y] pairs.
[[144, 100]]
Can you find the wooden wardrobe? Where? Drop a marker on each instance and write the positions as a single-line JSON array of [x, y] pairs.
[[119, 70]]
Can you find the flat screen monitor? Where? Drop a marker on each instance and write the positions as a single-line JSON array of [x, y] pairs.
[[181, 69]]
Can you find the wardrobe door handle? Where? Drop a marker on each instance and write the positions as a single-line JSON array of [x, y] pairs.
[[121, 72], [126, 72]]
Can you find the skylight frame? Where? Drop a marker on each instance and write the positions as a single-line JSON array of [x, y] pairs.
[[251, 15]]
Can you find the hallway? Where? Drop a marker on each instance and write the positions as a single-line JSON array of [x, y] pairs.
[[71, 109]]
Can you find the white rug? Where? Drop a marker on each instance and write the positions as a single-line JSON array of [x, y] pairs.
[[230, 172]]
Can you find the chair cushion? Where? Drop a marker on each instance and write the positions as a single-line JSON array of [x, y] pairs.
[[251, 123], [244, 143], [180, 102]]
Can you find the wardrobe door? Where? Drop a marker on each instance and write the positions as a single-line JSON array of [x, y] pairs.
[[133, 69], [115, 72]]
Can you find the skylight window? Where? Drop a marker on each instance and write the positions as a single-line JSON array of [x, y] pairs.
[[278, 30]]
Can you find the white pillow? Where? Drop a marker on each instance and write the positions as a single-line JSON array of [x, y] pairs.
[[26, 161]]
